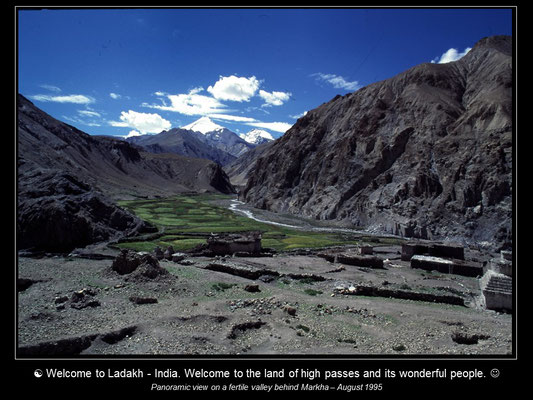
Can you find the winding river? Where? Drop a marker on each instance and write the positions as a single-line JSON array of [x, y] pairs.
[[240, 207]]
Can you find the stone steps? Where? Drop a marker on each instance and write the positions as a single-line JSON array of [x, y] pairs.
[[502, 284], [498, 291]]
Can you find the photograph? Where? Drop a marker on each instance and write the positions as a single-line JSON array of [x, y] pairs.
[[255, 183]]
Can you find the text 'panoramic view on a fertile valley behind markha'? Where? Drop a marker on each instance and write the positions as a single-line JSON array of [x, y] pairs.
[[262, 182]]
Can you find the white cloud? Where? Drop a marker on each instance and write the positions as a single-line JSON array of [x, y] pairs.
[[191, 103], [141, 122], [450, 55], [231, 88], [196, 90], [273, 126], [234, 88], [274, 98], [88, 113], [298, 115], [337, 81], [71, 98], [52, 88], [79, 121], [115, 96], [235, 118]]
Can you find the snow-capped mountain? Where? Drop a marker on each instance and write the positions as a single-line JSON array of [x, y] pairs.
[[202, 139], [257, 136], [219, 137], [183, 142], [203, 125]]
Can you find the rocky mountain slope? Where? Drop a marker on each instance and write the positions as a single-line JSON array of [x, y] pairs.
[[228, 141], [427, 153], [114, 167], [219, 137], [67, 178], [200, 139], [240, 169], [182, 142], [57, 212]]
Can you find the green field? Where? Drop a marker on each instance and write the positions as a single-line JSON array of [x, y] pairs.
[[187, 221]]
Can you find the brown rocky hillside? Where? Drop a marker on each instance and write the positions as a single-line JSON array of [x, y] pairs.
[[427, 153]]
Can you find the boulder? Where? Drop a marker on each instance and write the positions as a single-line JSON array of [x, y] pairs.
[[168, 253], [178, 257], [143, 300], [254, 288], [158, 253], [126, 262], [144, 264]]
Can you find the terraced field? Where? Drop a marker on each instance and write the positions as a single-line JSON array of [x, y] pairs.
[[186, 221]]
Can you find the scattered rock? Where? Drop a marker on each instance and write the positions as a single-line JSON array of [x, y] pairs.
[[158, 253], [399, 347], [252, 288], [126, 262], [290, 310], [260, 306], [465, 338], [60, 299], [178, 257], [84, 304], [83, 299], [24, 283], [168, 253], [266, 278], [240, 328], [143, 300], [137, 265]]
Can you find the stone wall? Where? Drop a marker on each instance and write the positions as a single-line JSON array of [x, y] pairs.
[[224, 244]]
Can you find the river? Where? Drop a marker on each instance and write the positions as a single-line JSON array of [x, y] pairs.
[[300, 223]]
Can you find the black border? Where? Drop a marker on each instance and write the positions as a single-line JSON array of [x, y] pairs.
[[507, 365]]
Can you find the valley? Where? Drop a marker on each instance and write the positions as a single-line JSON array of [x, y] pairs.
[[298, 302], [380, 223], [188, 220]]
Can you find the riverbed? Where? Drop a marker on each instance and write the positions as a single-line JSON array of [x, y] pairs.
[[293, 221]]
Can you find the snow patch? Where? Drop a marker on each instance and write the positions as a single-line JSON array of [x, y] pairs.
[[256, 136], [203, 125]]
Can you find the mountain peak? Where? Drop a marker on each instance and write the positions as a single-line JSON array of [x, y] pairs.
[[256, 136], [501, 43], [203, 125], [394, 149]]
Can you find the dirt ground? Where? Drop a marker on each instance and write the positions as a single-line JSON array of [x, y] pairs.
[[71, 306]]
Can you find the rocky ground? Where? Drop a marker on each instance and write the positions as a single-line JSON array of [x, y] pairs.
[[292, 303]]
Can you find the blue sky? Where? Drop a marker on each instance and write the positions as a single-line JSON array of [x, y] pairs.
[[130, 71]]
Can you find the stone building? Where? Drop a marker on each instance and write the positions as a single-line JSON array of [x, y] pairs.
[[497, 283], [231, 243]]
